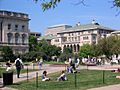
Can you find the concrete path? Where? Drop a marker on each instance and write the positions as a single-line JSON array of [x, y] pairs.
[[110, 87]]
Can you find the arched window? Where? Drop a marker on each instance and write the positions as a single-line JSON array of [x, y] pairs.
[[78, 47], [74, 48], [17, 37], [10, 38], [24, 38]]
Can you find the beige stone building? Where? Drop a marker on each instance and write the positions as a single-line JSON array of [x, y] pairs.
[[14, 31], [35, 34], [53, 30], [74, 37]]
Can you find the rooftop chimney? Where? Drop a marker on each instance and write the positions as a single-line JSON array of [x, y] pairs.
[[78, 24], [93, 21]]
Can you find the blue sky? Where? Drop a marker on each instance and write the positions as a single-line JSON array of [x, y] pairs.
[[65, 13]]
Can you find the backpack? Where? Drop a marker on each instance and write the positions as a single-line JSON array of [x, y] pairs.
[[18, 63]]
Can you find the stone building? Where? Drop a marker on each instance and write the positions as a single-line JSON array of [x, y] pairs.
[[74, 37], [14, 31], [35, 34]]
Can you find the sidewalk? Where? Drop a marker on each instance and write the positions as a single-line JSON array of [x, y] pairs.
[[49, 69], [110, 87]]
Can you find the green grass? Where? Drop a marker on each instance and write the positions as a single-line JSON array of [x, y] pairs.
[[85, 79]]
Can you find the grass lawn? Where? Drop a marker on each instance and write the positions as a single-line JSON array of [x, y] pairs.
[[85, 79]]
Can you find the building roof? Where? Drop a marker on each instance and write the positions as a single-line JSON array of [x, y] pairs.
[[13, 15], [58, 25], [47, 37], [85, 27], [116, 32]]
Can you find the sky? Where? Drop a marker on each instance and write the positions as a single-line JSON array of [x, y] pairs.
[[65, 13]]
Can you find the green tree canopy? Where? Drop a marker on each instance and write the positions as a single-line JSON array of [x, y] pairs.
[[7, 53], [109, 45], [86, 50], [32, 43]]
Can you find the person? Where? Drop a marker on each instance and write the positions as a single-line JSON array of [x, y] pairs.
[[62, 77], [44, 76], [40, 63], [8, 66], [77, 63], [19, 66]]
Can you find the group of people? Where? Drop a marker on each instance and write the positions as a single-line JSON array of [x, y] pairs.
[[71, 68], [62, 77], [73, 63]]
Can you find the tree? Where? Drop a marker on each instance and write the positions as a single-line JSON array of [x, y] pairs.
[[49, 50], [109, 46], [47, 4], [86, 50], [7, 53], [32, 43], [67, 50]]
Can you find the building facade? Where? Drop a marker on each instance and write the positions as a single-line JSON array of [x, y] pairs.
[[35, 34], [53, 30], [14, 31], [75, 37]]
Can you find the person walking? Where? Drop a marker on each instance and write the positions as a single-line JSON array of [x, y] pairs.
[[19, 66], [40, 62]]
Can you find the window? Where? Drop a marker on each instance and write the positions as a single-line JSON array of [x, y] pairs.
[[72, 39], [17, 36], [23, 27], [89, 31], [78, 33], [72, 34], [16, 27], [75, 38], [9, 26], [69, 34], [9, 35], [94, 37], [85, 38], [78, 38], [56, 40]]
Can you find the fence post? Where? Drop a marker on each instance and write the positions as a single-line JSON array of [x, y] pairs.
[[75, 80], [27, 72], [103, 76], [36, 79]]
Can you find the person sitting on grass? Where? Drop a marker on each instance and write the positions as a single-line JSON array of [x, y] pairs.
[[62, 77], [44, 76]]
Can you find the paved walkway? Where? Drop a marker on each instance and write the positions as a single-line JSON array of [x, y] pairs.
[[52, 69], [110, 87]]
